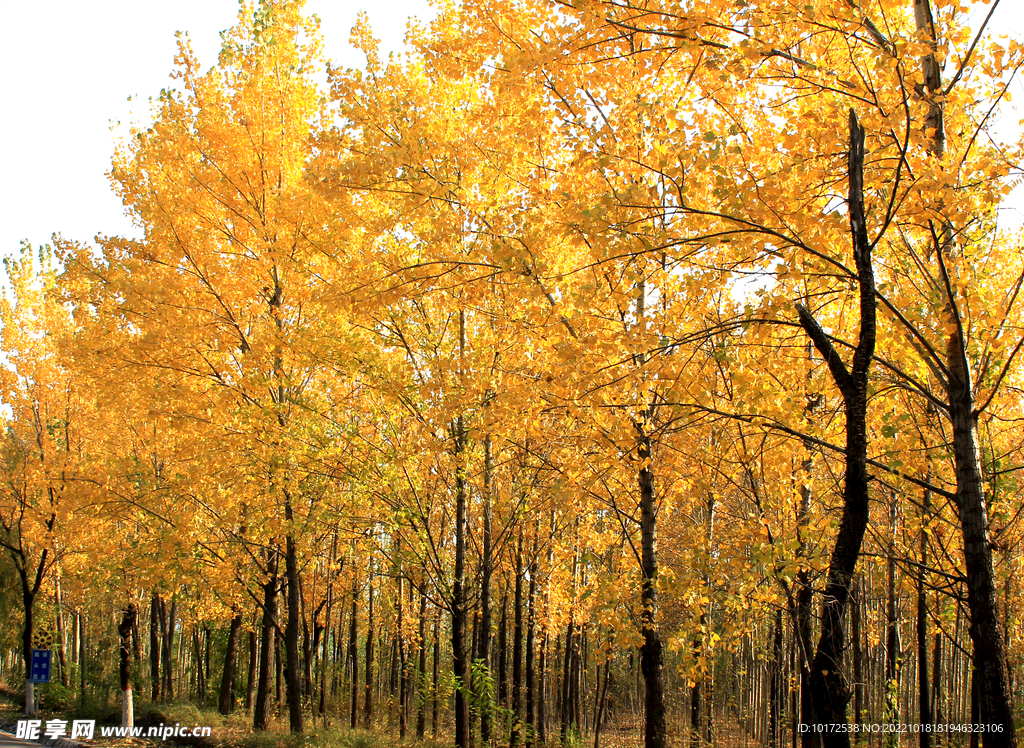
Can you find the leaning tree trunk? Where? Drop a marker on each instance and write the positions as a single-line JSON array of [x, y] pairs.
[[829, 688]]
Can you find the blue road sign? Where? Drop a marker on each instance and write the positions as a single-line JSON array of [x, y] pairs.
[[40, 666]]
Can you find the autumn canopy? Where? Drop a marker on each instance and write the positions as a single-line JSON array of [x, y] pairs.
[[596, 371]]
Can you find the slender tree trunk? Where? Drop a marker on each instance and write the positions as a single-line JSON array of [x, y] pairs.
[[651, 656], [168, 632], [486, 614], [260, 716], [353, 657], [58, 600], [436, 676], [566, 695], [83, 654], [923, 695], [226, 703], [155, 627], [936, 694], [986, 637], [403, 670], [517, 647], [531, 647], [291, 632], [892, 634], [855, 637], [368, 663], [201, 673], [124, 632], [76, 638], [695, 696], [542, 691], [307, 644], [421, 668], [30, 583], [829, 688], [601, 699], [775, 684], [250, 680], [323, 645], [503, 652], [278, 667], [460, 663]]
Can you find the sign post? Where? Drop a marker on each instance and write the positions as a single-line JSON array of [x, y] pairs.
[[39, 668]]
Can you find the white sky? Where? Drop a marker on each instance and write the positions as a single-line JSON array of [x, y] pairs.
[[67, 68]]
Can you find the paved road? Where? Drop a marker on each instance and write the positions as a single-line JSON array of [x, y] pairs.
[[9, 741]]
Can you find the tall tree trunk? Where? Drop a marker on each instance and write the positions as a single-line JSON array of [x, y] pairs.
[[695, 695], [892, 633], [368, 704], [486, 614], [651, 656], [803, 634], [201, 673], [226, 703], [503, 651], [531, 646], [278, 667], [58, 600], [83, 654], [830, 691], [30, 583], [986, 637], [542, 690], [353, 657], [517, 647], [403, 673], [936, 690], [168, 624], [124, 632], [250, 680], [435, 690], [421, 667], [775, 683], [307, 644], [459, 605], [155, 606], [601, 698], [855, 643], [291, 632], [923, 695], [260, 715], [322, 645]]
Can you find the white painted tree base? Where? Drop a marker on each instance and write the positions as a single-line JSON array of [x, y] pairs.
[[127, 708]]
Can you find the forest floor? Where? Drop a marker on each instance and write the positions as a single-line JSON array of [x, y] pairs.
[[236, 731]]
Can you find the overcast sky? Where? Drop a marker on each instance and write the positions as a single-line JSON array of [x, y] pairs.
[[67, 68]]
